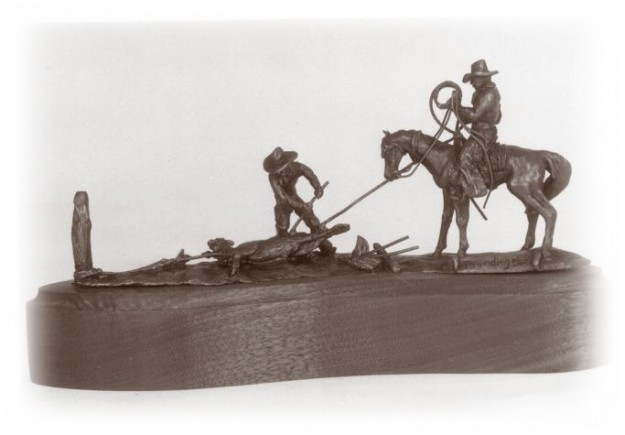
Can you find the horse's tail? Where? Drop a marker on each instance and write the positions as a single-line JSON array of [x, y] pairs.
[[559, 169]]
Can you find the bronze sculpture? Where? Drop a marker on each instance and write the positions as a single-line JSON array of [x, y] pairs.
[[523, 174], [81, 233], [289, 307], [265, 251], [284, 172], [483, 117], [522, 170], [460, 170], [81, 237]]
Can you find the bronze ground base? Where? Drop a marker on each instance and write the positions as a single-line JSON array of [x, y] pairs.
[[213, 274]]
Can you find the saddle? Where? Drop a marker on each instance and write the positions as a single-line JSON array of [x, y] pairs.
[[498, 155]]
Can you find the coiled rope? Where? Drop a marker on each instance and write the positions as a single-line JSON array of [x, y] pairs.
[[455, 108]]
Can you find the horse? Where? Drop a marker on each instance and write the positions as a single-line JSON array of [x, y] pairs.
[[523, 173]]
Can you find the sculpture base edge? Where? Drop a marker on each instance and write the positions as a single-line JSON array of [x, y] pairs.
[[195, 337]]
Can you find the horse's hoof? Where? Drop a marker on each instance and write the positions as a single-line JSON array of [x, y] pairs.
[[536, 260], [458, 259], [438, 253]]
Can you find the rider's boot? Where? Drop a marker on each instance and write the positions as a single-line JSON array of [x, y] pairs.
[[472, 183]]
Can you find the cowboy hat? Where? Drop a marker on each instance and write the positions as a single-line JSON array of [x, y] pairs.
[[478, 69], [278, 159]]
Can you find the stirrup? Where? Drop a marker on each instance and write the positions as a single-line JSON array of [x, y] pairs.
[[471, 190]]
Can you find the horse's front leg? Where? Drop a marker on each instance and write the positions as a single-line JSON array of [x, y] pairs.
[[462, 220], [448, 214]]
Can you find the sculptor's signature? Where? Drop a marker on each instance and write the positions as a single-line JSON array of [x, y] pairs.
[[495, 262]]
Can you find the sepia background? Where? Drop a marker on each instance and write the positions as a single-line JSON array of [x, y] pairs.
[[166, 126]]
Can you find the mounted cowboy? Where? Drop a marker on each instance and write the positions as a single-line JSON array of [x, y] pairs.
[[284, 172], [483, 117]]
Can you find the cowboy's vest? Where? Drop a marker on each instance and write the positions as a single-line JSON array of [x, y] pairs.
[[487, 99]]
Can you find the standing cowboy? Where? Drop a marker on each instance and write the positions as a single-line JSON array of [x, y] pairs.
[[483, 117], [284, 172]]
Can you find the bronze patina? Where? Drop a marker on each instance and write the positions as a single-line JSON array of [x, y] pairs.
[[289, 307], [534, 177], [466, 165]]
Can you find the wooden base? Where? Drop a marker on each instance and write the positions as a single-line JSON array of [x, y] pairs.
[[193, 337]]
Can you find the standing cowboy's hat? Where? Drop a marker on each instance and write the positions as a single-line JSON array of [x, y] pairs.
[[478, 69], [278, 159]]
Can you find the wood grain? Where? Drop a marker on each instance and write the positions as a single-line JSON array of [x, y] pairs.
[[194, 337]]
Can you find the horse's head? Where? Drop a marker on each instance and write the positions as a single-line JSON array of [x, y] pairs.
[[393, 149]]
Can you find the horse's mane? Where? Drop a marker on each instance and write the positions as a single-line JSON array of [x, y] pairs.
[[397, 133], [408, 134]]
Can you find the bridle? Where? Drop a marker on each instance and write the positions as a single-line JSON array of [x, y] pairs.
[[389, 145]]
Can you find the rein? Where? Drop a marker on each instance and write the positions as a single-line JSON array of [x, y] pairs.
[[414, 139], [481, 141], [413, 142], [455, 107]]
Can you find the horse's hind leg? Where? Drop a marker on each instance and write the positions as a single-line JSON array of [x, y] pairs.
[[530, 237], [534, 199], [550, 215]]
